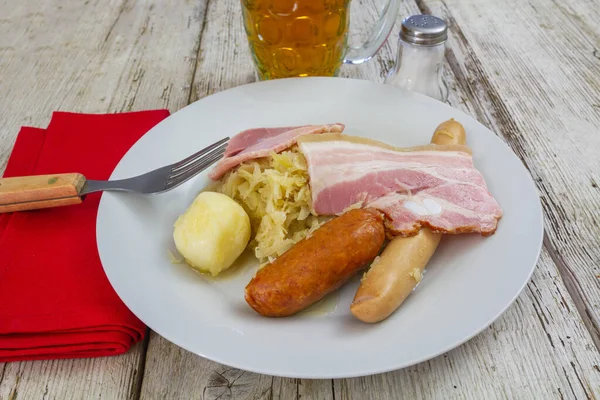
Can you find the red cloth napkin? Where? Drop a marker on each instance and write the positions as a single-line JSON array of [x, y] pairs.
[[55, 300]]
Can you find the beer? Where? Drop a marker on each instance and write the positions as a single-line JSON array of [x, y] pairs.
[[294, 38]]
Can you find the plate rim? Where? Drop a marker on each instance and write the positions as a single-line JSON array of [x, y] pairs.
[[388, 367]]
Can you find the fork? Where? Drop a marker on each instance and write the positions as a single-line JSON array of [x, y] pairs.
[[46, 191]]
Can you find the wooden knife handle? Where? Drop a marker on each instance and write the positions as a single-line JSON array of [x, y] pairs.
[[41, 191]]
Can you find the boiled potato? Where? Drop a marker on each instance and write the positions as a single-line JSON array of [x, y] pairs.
[[212, 233]]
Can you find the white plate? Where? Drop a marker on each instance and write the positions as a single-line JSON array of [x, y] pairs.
[[469, 282]]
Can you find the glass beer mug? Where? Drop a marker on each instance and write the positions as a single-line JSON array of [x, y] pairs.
[[293, 38]]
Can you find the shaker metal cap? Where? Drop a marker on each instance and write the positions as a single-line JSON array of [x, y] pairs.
[[424, 30]]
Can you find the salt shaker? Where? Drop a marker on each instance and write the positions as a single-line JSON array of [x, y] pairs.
[[420, 56]]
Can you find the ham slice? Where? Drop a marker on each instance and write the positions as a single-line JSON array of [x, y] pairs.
[[434, 186], [260, 142]]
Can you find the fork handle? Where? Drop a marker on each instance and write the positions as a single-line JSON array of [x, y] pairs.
[[40, 191]]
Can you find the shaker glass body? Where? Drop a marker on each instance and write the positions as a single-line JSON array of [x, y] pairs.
[[419, 69]]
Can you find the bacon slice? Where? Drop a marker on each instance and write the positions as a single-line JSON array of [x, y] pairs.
[[260, 142], [433, 186]]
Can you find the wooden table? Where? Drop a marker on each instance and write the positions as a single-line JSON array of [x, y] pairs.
[[527, 69]]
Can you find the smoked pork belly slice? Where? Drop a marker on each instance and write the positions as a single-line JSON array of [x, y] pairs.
[[260, 142], [434, 186]]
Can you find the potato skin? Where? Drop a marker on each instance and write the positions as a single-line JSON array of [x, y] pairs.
[[317, 265], [212, 232]]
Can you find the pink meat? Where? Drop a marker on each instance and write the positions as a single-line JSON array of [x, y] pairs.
[[260, 142], [440, 209], [425, 187], [247, 138]]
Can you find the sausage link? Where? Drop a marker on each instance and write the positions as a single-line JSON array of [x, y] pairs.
[[317, 265]]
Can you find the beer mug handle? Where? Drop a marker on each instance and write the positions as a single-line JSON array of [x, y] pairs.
[[377, 37]]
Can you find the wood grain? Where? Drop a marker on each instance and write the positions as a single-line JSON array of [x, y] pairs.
[[108, 378], [224, 59], [40, 191], [92, 56]]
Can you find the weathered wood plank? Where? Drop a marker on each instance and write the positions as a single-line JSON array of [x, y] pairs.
[[97, 56], [224, 58], [173, 373], [109, 377]]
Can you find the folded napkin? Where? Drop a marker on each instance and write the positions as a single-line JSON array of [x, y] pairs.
[[55, 300]]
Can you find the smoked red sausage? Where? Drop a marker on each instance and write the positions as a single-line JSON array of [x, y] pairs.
[[317, 265]]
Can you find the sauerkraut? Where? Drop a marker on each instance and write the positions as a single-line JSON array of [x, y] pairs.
[[275, 193]]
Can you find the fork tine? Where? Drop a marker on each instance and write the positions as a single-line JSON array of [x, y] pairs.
[[218, 152], [199, 168], [198, 154], [190, 173], [172, 183]]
